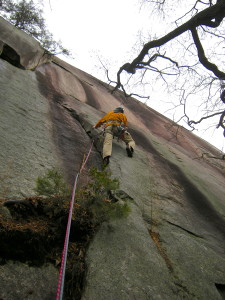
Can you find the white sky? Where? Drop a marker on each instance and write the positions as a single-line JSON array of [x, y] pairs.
[[98, 27], [109, 30]]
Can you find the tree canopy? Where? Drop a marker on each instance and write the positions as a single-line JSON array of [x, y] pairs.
[[27, 15], [189, 59]]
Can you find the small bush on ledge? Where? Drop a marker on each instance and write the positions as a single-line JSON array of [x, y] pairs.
[[96, 197], [52, 184], [94, 204], [34, 229]]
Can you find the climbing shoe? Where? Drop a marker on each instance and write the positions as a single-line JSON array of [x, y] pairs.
[[106, 160], [130, 151]]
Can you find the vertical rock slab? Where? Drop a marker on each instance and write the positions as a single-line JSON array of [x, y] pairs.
[[26, 130]]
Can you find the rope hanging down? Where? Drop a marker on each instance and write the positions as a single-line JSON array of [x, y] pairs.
[[59, 295]]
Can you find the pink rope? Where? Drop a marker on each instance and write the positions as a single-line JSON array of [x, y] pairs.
[[60, 287]]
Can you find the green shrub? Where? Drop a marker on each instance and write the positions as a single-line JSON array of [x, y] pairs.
[[94, 201], [52, 184], [96, 197]]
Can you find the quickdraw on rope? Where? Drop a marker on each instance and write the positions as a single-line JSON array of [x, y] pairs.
[[61, 279]]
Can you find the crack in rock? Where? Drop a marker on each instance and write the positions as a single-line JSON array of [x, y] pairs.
[[188, 231]]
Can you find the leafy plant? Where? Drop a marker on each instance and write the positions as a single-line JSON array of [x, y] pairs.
[[96, 197], [52, 184], [94, 201]]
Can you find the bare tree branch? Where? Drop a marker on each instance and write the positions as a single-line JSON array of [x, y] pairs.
[[222, 122], [204, 118], [203, 59], [210, 17], [205, 17]]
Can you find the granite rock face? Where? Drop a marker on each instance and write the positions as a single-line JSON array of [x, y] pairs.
[[20, 281], [171, 246]]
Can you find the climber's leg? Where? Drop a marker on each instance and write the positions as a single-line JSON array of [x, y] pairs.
[[107, 144], [130, 143]]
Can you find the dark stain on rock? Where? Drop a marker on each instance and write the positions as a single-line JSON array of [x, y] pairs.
[[196, 198], [142, 140], [68, 135], [91, 100]]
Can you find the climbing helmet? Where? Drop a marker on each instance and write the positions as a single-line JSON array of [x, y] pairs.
[[119, 109]]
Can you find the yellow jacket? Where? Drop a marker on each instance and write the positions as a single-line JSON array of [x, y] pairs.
[[116, 118]]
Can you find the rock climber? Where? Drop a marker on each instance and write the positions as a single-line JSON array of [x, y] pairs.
[[115, 124]]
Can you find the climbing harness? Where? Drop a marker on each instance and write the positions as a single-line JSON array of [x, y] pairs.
[[59, 295], [120, 129], [99, 134]]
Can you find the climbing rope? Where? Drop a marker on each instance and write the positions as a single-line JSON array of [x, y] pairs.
[[60, 288]]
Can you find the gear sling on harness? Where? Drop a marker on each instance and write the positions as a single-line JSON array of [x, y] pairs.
[[118, 129]]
